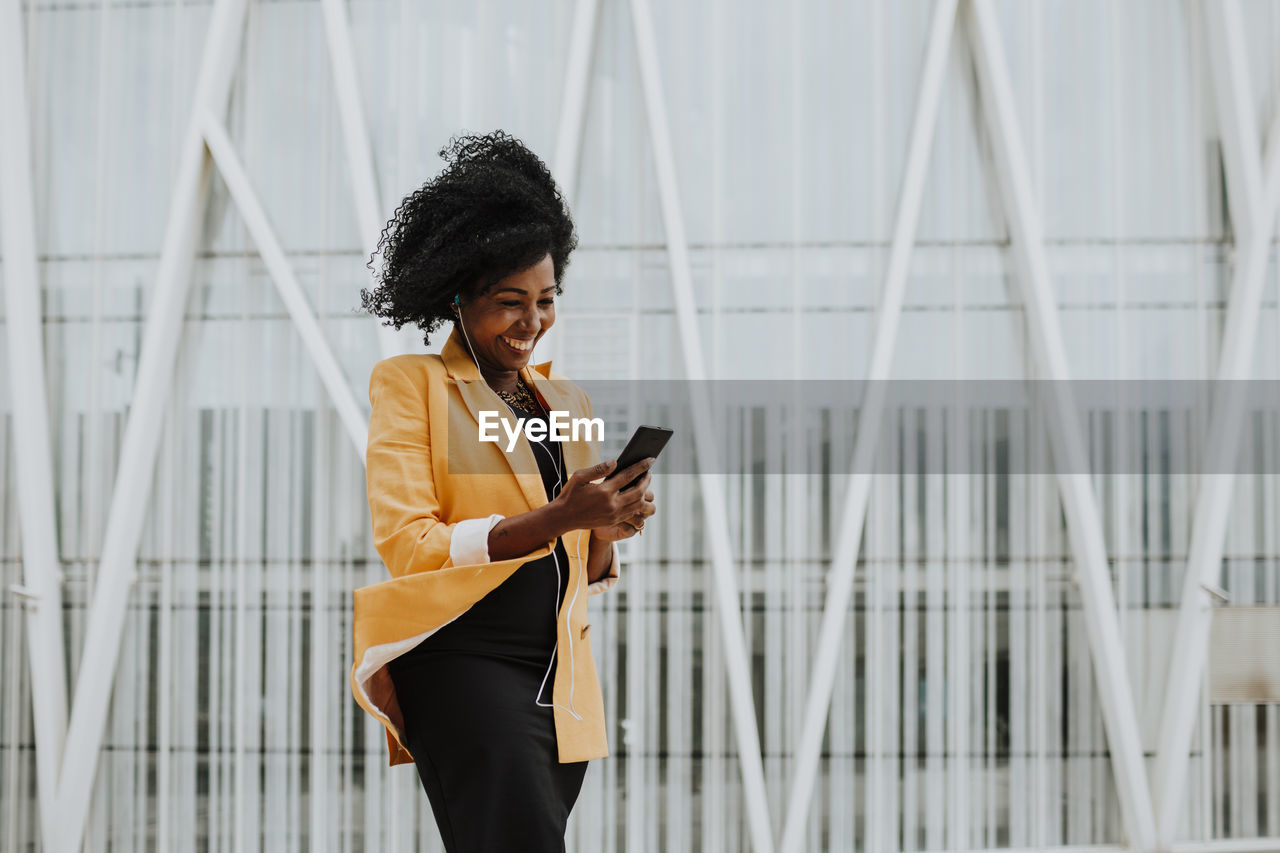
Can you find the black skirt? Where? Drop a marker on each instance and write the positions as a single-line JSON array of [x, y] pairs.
[[486, 754], [475, 698]]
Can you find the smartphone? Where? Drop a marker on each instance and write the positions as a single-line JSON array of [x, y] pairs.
[[646, 441]]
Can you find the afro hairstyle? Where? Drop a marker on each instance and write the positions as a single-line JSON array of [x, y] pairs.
[[493, 211]]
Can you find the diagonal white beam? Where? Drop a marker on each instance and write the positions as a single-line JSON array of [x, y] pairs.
[[573, 110], [1254, 209], [573, 102], [1084, 520], [1237, 123], [132, 491], [33, 455], [291, 293], [725, 581], [840, 579], [355, 137]]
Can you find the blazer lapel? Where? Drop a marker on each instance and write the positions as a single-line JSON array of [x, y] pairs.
[[478, 396]]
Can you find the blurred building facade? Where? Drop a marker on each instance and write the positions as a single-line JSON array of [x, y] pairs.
[[966, 710]]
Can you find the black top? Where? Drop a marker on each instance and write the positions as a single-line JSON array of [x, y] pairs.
[[517, 619]]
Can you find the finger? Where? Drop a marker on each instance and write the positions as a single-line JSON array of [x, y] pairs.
[[640, 487], [632, 471], [632, 499], [596, 472]]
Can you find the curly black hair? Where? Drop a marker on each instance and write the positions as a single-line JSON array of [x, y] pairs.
[[494, 210]]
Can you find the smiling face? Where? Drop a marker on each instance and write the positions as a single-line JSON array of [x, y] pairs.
[[505, 322]]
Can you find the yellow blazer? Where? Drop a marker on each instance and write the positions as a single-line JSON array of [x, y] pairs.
[[415, 502]]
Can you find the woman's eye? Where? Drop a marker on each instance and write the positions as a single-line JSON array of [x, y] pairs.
[[514, 304]]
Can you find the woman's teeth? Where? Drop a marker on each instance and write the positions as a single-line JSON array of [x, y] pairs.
[[522, 346]]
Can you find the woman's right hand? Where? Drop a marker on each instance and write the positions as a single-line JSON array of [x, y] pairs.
[[583, 504]]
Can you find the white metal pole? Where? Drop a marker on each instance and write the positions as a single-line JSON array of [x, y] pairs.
[[355, 136], [255, 220], [141, 439], [1237, 121], [1079, 502], [164, 664], [33, 456], [1253, 209], [958, 492], [840, 580], [573, 102], [573, 111], [705, 443]]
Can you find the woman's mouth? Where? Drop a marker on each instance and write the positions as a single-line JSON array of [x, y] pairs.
[[522, 347]]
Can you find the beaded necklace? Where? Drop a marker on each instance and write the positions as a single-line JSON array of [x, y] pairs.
[[520, 398]]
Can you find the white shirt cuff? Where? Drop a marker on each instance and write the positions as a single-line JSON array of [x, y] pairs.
[[602, 585], [610, 578], [469, 543]]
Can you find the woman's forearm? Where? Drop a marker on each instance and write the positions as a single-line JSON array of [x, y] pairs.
[[517, 535]]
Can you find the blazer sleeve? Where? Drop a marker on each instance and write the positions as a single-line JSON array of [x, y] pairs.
[[408, 532], [610, 578]]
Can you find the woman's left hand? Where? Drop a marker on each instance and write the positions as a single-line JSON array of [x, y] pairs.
[[628, 528]]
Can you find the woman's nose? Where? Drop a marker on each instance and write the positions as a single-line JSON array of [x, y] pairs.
[[531, 319]]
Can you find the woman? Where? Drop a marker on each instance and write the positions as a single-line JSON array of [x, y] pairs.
[[475, 656]]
